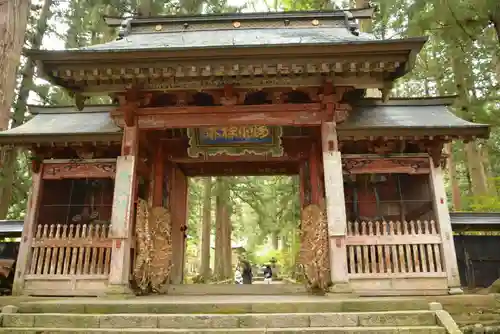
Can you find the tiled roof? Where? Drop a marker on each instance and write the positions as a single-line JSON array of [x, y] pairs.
[[232, 38], [418, 116], [425, 114], [62, 124]]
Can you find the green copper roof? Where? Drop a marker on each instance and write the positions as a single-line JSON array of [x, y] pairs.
[[370, 116], [64, 124], [232, 38], [431, 114], [238, 30]]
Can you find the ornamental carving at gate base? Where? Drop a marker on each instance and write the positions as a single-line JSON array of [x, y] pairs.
[[314, 252], [153, 261]]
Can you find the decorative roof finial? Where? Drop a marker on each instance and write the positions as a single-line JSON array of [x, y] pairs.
[[350, 23], [125, 28]]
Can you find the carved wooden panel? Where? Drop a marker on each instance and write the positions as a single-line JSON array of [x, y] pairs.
[[75, 169], [379, 165], [235, 141]]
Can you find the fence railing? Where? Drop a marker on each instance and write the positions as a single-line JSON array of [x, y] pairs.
[[75, 249], [394, 249]]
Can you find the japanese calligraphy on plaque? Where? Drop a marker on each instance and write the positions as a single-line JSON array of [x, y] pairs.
[[235, 141]]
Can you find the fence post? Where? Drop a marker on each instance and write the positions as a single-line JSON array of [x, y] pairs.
[[30, 220], [444, 222]]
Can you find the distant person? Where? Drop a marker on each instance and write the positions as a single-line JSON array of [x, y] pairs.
[[268, 274], [238, 278], [246, 272]]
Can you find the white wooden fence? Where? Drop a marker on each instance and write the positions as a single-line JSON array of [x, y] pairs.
[[394, 249]]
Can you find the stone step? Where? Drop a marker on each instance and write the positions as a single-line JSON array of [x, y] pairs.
[[235, 289], [317, 330], [222, 305], [231, 321]]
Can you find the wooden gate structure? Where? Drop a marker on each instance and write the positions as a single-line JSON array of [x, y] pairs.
[[239, 94]]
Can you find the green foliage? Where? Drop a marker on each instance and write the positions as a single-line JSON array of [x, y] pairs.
[[22, 184], [487, 203]]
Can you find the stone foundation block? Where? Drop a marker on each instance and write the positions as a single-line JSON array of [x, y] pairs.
[[66, 321], [128, 321], [274, 320], [18, 320], [397, 319], [333, 320], [198, 321]]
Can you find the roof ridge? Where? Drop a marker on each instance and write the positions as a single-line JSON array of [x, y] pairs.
[[358, 13]]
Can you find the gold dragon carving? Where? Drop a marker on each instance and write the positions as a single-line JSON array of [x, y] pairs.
[[154, 248], [314, 252]]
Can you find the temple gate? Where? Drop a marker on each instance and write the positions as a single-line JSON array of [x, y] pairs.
[[243, 94]]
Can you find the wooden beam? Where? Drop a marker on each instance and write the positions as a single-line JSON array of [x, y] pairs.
[[182, 117], [241, 168]]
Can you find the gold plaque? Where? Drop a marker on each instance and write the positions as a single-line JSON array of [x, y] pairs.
[[315, 22], [236, 24], [158, 27]]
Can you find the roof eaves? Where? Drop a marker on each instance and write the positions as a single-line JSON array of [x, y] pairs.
[[69, 109], [410, 44], [17, 138], [473, 130], [419, 101]]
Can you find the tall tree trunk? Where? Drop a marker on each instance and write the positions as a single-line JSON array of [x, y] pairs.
[[367, 27], [284, 242], [219, 232], [485, 158], [479, 183], [495, 18], [13, 21], [275, 240], [452, 173], [206, 228], [228, 249], [145, 8], [226, 230], [8, 156], [223, 269]]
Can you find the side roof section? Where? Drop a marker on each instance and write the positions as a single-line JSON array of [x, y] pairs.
[[418, 116], [369, 117], [64, 124]]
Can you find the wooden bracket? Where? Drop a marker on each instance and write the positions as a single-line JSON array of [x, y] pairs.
[[36, 164], [80, 101], [331, 97], [135, 96], [386, 91], [129, 114], [436, 152], [229, 97]]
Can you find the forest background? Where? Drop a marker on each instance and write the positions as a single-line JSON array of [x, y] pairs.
[[461, 57]]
